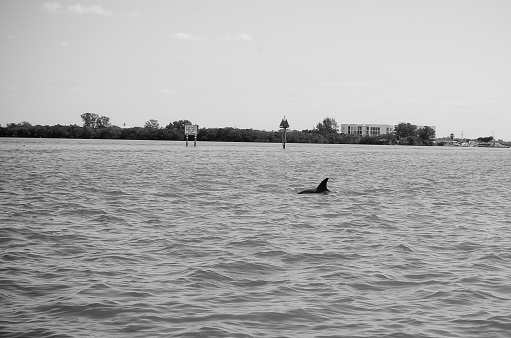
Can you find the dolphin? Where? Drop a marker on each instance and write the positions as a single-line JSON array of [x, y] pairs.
[[319, 190]]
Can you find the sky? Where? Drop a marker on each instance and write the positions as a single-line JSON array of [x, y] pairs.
[[249, 63]]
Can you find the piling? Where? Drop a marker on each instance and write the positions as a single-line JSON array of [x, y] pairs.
[[284, 125]]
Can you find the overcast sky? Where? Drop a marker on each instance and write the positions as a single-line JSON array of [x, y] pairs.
[[247, 63]]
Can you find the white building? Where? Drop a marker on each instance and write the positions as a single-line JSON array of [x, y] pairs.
[[367, 129], [371, 129]]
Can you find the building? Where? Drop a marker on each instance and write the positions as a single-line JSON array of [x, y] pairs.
[[367, 129], [371, 129], [447, 141]]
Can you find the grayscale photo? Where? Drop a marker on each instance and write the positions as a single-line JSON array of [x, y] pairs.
[[255, 168]]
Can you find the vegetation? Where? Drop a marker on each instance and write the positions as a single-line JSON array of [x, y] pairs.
[[152, 124], [326, 131], [327, 127], [409, 134], [485, 139], [93, 120]]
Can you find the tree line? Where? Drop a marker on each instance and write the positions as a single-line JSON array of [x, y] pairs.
[[326, 131]]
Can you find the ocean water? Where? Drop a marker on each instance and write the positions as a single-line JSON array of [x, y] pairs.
[[155, 239]]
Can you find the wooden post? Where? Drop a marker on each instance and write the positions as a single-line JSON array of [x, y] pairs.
[[195, 140], [284, 125], [187, 140]]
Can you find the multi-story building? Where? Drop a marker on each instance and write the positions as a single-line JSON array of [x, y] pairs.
[[367, 129], [371, 129]]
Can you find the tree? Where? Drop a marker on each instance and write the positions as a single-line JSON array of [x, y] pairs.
[[328, 126], [153, 124], [180, 125], [177, 129], [404, 130], [103, 122], [89, 119], [93, 120], [485, 139], [426, 134]]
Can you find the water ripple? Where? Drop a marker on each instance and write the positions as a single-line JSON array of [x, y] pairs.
[[119, 239]]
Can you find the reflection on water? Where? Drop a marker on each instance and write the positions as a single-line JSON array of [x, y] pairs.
[[155, 239]]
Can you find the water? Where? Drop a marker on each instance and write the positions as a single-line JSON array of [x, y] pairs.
[[155, 239]]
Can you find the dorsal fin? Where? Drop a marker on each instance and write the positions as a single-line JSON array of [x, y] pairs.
[[322, 186]]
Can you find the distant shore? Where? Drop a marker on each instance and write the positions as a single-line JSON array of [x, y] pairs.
[[227, 134]]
